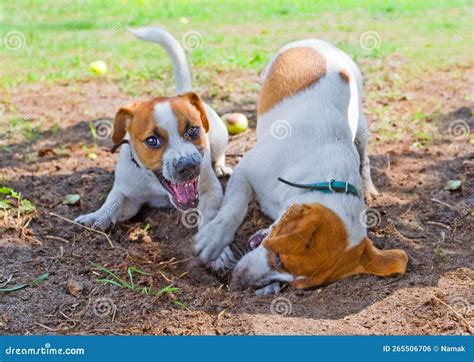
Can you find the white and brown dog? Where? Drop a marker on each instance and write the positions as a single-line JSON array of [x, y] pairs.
[[173, 147], [307, 170]]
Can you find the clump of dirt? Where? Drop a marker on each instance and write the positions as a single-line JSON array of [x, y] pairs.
[[413, 212]]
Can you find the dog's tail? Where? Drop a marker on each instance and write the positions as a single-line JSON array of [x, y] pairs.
[[182, 75]]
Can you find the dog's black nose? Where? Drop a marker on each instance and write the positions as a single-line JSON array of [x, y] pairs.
[[187, 169]]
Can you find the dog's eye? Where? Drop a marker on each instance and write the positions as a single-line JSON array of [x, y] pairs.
[[192, 132], [153, 142]]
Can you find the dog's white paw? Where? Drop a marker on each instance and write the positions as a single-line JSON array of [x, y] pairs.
[[95, 220], [270, 289], [370, 189], [223, 170], [211, 240], [224, 262]]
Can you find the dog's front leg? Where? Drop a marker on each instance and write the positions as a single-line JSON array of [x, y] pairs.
[[211, 196], [210, 192], [213, 237], [108, 214]]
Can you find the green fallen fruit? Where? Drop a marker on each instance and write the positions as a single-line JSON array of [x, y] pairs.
[[452, 185], [71, 199], [98, 67], [235, 122]]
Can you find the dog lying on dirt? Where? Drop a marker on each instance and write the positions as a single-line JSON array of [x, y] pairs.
[[172, 149], [307, 170]]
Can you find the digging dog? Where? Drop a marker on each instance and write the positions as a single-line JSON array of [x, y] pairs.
[[309, 170], [172, 150]]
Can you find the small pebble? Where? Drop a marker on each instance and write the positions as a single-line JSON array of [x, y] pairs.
[[74, 287]]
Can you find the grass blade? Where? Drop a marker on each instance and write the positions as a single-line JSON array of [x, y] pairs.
[[108, 281], [130, 275], [122, 282], [38, 280]]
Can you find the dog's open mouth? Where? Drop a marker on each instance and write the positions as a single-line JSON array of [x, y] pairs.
[[184, 194]]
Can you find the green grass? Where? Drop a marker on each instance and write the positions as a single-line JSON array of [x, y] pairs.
[[114, 279], [63, 36], [12, 200], [36, 281]]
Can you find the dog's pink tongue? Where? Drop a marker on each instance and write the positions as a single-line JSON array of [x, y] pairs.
[[185, 192]]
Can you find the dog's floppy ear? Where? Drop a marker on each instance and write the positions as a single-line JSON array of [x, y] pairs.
[[196, 101], [122, 121], [295, 230]]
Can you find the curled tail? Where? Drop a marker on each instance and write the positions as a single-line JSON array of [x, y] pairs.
[[182, 75]]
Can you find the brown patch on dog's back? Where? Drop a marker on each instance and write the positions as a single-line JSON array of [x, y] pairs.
[[311, 241], [293, 71], [344, 75]]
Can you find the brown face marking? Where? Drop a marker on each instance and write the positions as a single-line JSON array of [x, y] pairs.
[[143, 126], [292, 71], [344, 75], [311, 241], [189, 111], [138, 119]]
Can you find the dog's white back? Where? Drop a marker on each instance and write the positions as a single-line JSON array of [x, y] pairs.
[[306, 138], [314, 132]]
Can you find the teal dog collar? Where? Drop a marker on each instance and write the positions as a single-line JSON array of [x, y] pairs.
[[326, 187]]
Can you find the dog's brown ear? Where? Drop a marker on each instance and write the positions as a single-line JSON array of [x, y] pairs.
[[122, 121], [196, 101], [295, 231]]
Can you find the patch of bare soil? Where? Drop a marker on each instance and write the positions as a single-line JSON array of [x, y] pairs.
[[434, 227]]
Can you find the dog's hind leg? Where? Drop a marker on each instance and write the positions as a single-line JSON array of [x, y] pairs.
[[361, 141]]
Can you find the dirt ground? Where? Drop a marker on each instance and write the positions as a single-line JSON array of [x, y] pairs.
[[432, 225]]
